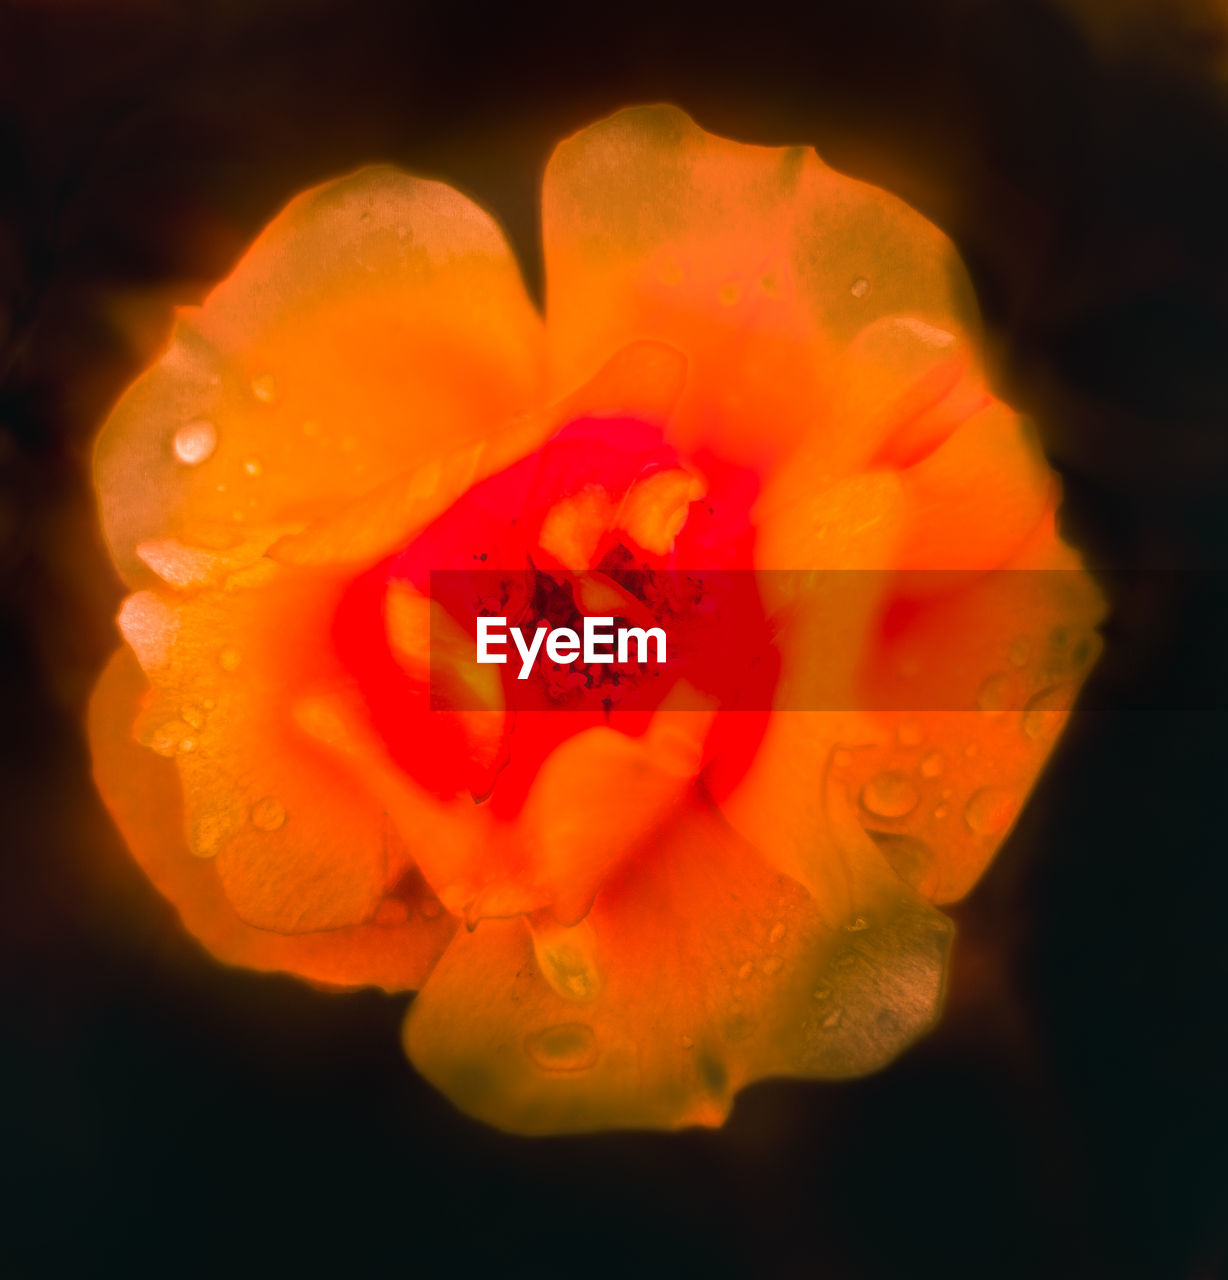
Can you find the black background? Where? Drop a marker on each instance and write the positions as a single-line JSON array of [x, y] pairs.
[[1069, 1117]]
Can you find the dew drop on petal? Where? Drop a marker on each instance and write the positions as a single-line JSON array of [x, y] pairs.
[[171, 738], [686, 1042], [887, 1021], [833, 1019], [195, 442], [253, 466], [771, 966], [860, 287], [567, 960], [569, 1046], [889, 795], [994, 695], [911, 859], [745, 971], [778, 932], [989, 811], [268, 814], [931, 766], [1038, 711], [264, 388]]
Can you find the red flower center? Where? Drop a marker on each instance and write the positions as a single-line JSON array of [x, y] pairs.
[[604, 520]]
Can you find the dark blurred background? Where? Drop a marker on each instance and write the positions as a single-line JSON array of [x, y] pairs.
[[1069, 1117]]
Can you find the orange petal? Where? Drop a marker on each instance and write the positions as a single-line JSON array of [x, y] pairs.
[[977, 497], [377, 324], [297, 848], [699, 970], [601, 794], [759, 263], [971, 687], [394, 948], [642, 380]]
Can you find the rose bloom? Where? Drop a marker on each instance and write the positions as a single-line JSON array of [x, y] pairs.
[[626, 902]]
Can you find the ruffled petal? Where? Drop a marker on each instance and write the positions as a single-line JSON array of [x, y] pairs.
[[394, 948], [759, 263], [968, 689], [297, 846], [699, 970], [379, 323]]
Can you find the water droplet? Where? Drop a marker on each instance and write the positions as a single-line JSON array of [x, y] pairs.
[[772, 965], [910, 858], [268, 814], [264, 388], [195, 442], [857, 924], [171, 738], [228, 658], [889, 795], [252, 467], [931, 766], [910, 734], [941, 812], [193, 716], [1020, 651], [821, 993], [888, 1021], [566, 957], [745, 971], [739, 1026], [994, 695], [686, 1042], [860, 287], [391, 912], [569, 1046], [989, 811], [832, 1021], [1039, 710], [778, 932]]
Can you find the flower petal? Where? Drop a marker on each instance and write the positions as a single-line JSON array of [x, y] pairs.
[[297, 846], [699, 970], [642, 380], [759, 263], [969, 689], [378, 323], [394, 949]]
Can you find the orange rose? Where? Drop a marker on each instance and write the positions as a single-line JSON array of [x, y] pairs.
[[750, 366]]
